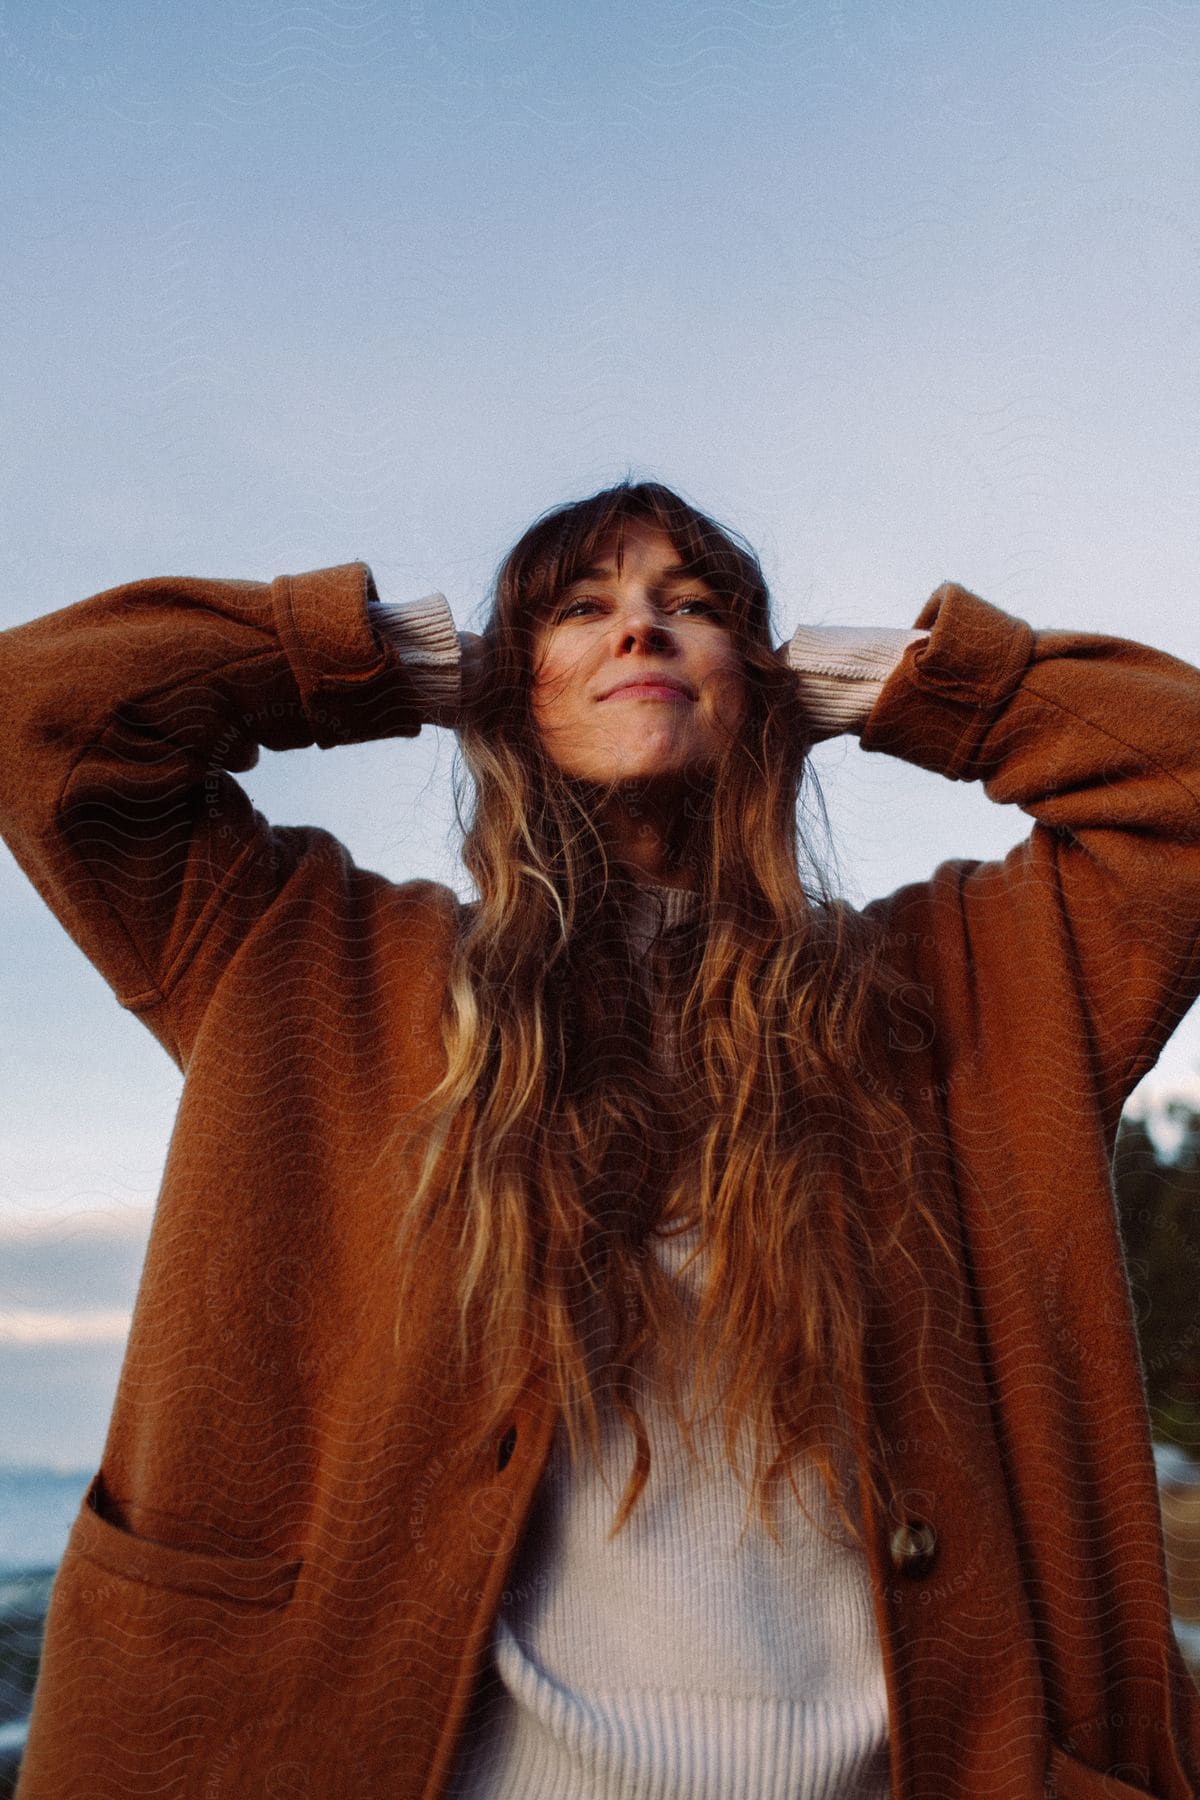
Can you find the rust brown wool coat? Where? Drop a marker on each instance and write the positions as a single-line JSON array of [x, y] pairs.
[[285, 1571]]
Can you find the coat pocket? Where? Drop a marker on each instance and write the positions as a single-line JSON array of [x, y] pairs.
[[262, 1582], [154, 1659], [1069, 1779]]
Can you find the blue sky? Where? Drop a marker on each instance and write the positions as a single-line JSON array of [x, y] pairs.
[[904, 293]]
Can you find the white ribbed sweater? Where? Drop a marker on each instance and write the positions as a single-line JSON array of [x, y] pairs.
[[692, 1657]]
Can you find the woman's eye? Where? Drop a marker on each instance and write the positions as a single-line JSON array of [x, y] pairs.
[[691, 600]]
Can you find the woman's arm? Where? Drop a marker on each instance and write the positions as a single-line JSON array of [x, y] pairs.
[[121, 718], [1098, 910]]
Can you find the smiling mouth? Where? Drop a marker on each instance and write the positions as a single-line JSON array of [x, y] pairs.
[[648, 690]]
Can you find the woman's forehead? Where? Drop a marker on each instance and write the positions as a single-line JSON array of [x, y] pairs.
[[608, 553], [578, 557]]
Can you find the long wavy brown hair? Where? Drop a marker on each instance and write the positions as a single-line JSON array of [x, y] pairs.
[[554, 1136]]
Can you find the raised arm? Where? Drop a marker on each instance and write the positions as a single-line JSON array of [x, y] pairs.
[[121, 719], [1098, 738]]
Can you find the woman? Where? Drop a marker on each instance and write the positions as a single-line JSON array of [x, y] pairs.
[[656, 1163]]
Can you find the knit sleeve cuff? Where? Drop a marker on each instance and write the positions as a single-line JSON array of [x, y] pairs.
[[422, 634], [842, 669]]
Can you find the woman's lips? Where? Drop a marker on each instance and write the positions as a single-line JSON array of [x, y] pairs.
[[648, 690]]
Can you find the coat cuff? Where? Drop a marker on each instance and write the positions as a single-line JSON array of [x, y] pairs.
[[940, 703], [345, 675]]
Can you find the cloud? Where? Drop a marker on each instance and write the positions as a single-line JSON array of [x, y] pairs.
[[98, 1326], [81, 1264], [66, 1298], [56, 1402], [67, 1286]]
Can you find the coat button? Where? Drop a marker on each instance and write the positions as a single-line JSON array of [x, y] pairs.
[[507, 1445], [913, 1545]]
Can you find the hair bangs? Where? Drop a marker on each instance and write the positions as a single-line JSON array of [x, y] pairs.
[[560, 546]]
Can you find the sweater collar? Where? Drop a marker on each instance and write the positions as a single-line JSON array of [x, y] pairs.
[[657, 908]]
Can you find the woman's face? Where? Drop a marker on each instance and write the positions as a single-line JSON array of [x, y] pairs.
[[635, 673]]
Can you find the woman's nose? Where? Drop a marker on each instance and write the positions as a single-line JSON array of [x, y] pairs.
[[643, 626]]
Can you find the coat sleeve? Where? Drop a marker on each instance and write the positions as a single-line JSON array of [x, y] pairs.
[[122, 720], [1098, 909]]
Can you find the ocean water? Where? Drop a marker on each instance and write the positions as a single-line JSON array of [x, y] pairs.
[[37, 1510]]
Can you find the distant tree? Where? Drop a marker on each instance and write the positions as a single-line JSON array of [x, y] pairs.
[[1158, 1210]]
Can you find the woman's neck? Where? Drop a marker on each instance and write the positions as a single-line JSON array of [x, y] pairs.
[[643, 834]]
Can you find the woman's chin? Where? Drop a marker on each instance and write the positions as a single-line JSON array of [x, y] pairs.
[[641, 765], [645, 779]]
